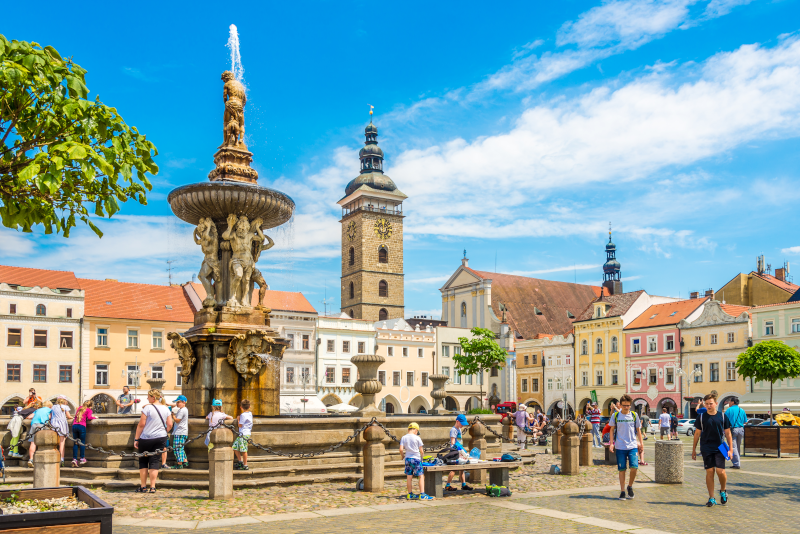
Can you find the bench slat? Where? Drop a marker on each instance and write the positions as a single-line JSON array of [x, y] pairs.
[[472, 467]]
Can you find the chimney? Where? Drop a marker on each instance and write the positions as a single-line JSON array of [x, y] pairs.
[[780, 274], [465, 262], [710, 293], [694, 294]]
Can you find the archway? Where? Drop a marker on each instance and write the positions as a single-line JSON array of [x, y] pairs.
[[582, 405], [418, 404], [102, 403], [694, 404], [726, 399], [356, 401], [607, 409], [472, 404], [451, 404], [667, 403], [641, 407], [554, 411], [10, 404], [330, 399], [390, 404]]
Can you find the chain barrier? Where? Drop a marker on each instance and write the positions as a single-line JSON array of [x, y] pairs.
[[332, 448]]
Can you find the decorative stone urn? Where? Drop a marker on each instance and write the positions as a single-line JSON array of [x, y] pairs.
[[156, 383], [368, 384], [438, 393]]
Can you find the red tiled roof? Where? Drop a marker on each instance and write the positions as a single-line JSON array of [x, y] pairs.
[[274, 300], [786, 286], [27, 277], [734, 310], [619, 305], [523, 296], [664, 313], [123, 300]]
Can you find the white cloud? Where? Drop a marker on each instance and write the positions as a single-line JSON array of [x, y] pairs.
[[791, 250], [717, 8], [582, 267]]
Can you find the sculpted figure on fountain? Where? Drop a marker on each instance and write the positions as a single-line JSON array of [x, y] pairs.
[[233, 121], [205, 235], [245, 238], [258, 278]]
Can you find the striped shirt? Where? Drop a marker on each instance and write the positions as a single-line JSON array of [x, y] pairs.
[[594, 416]]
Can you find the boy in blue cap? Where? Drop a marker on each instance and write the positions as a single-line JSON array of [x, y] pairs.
[[457, 441], [180, 432]]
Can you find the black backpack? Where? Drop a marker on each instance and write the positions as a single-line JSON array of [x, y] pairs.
[[449, 456]]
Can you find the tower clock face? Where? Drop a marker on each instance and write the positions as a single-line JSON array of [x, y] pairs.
[[383, 229], [351, 230]]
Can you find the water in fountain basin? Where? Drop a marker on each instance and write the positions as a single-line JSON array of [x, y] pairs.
[[236, 57]]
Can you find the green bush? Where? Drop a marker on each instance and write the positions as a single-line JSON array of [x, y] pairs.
[[479, 411]]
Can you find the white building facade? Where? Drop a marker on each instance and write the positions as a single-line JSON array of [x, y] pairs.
[[463, 391], [409, 354], [558, 354], [341, 338]]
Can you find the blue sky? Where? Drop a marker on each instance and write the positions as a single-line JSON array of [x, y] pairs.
[[518, 134]]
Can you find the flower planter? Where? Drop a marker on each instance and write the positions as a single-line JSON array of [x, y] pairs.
[[95, 520], [771, 440]]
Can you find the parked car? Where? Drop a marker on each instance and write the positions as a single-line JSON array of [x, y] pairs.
[[686, 426], [767, 423], [754, 421]]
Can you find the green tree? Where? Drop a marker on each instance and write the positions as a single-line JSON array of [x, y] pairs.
[[59, 152], [769, 361], [479, 354]]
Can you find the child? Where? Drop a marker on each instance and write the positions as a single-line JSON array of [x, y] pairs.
[[40, 417], [711, 427], [59, 421], [626, 427], [455, 441], [240, 444], [82, 418], [410, 447], [180, 432], [164, 465], [215, 417]]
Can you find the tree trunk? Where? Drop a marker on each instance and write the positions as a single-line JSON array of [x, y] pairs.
[[480, 387], [771, 415]]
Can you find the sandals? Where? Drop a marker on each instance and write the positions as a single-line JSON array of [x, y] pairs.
[[141, 489], [151, 490]]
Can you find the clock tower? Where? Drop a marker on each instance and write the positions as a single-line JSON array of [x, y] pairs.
[[372, 239]]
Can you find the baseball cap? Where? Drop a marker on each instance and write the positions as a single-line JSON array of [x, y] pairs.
[[182, 398], [462, 419], [215, 402], [413, 425]]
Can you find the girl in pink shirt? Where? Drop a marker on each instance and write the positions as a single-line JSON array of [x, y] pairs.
[[82, 418]]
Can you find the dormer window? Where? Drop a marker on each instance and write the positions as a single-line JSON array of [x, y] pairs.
[[653, 316], [537, 311]]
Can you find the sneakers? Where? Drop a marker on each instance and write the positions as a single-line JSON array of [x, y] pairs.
[[711, 502], [30, 464], [424, 497], [411, 496], [630, 492], [736, 467], [449, 488], [622, 496], [180, 466], [723, 497], [465, 487], [75, 463], [83, 461], [186, 465]]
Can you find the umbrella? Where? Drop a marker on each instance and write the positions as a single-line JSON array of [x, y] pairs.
[[342, 407]]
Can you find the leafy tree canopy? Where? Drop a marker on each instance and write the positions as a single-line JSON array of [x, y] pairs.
[[769, 361], [479, 353], [60, 152]]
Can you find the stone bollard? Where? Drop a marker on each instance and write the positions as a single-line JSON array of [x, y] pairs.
[[374, 453], [569, 449], [585, 455], [508, 428], [46, 460], [478, 432], [220, 465], [556, 437], [669, 462]]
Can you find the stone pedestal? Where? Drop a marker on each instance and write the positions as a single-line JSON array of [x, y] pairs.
[[374, 453], [368, 384], [585, 453], [556, 437], [669, 462], [508, 429], [220, 465], [46, 460], [477, 431], [569, 449], [438, 394]]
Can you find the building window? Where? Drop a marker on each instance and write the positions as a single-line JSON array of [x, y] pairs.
[[445, 351], [305, 374], [352, 258], [40, 338], [636, 347], [424, 379], [713, 371], [345, 375], [383, 314], [463, 309], [468, 380], [494, 372], [599, 378], [352, 290], [769, 328], [534, 385], [730, 371], [524, 385], [383, 289], [731, 335], [549, 361], [306, 342], [614, 344], [652, 345], [795, 327], [352, 315], [698, 341], [65, 373], [178, 376], [331, 345], [14, 337], [558, 383], [39, 373], [345, 346], [391, 351], [420, 354], [598, 346], [395, 378], [637, 377], [670, 342], [568, 359], [101, 374], [158, 339], [698, 376], [102, 337], [614, 377], [66, 340], [526, 359], [290, 337], [330, 375], [457, 350], [362, 347], [713, 339], [382, 377], [157, 372], [533, 359], [12, 309], [133, 339], [405, 352], [446, 371], [584, 347], [13, 372], [456, 376], [41, 310], [670, 376], [652, 377], [584, 378], [69, 312], [549, 384], [383, 254], [133, 376]]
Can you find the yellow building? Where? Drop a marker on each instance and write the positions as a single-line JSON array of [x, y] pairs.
[[125, 339], [758, 287], [530, 373]]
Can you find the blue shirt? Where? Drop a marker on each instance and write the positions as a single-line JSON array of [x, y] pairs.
[[737, 416], [41, 416]]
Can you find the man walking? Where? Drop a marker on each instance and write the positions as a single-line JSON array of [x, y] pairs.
[[711, 427], [626, 429], [738, 418], [593, 414], [663, 423]]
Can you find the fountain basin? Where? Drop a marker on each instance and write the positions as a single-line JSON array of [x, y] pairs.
[[220, 198]]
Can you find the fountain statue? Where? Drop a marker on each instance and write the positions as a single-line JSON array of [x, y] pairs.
[[231, 353]]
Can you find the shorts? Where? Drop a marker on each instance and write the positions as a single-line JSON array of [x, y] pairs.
[[713, 459], [664, 430], [240, 443], [414, 467], [625, 457], [32, 431], [152, 462]]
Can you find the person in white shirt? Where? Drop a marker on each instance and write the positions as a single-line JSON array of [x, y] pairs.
[[180, 432], [154, 424], [410, 448], [663, 423], [245, 429]]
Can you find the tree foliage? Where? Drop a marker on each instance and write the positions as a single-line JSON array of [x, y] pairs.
[[479, 354], [59, 152], [769, 361]]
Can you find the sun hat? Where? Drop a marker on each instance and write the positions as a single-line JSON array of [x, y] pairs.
[[415, 426], [462, 419], [182, 398], [522, 406], [216, 402]]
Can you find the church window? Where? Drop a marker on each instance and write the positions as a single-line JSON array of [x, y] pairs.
[[352, 256], [383, 254], [383, 314], [351, 314], [383, 289], [352, 290]]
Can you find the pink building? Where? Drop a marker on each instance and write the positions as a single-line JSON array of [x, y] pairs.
[[653, 355]]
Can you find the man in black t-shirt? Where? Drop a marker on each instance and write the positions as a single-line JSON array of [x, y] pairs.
[[712, 429]]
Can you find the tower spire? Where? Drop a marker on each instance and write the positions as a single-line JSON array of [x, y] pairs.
[[612, 278]]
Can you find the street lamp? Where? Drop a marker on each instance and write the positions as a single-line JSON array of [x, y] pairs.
[[688, 376]]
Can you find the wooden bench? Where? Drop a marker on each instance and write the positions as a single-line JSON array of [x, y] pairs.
[[498, 474]]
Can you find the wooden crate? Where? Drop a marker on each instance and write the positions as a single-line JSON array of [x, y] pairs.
[[775, 440], [95, 520]]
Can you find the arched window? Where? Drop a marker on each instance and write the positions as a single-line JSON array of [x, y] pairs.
[[352, 256], [41, 310], [584, 347], [352, 290], [463, 309], [614, 347], [598, 346], [351, 314], [383, 254], [383, 314], [383, 289]]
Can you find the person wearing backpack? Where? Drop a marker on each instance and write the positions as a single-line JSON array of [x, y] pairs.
[[673, 426], [711, 426], [626, 427]]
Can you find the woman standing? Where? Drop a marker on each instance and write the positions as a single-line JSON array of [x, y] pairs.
[[59, 422], [82, 418], [154, 425]]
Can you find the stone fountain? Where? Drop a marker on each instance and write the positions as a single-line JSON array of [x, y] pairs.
[[231, 353]]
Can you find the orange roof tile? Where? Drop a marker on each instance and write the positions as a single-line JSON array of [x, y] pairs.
[[786, 286], [27, 277], [123, 300], [734, 310], [274, 300], [619, 305], [669, 313]]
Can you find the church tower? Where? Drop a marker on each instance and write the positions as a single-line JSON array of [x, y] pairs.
[[372, 239], [612, 280]]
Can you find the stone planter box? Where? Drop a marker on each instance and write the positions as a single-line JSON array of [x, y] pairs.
[[95, 520], [771, 440]]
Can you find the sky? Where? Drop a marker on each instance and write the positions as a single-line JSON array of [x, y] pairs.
[[518, 134]]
